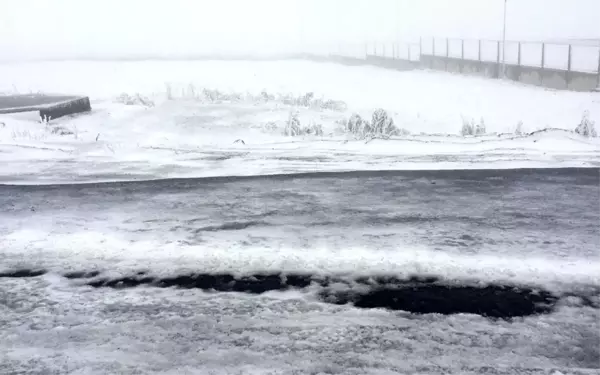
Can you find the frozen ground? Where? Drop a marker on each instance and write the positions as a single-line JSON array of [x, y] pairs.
[[525, 228], [192, 135], [492, 242]]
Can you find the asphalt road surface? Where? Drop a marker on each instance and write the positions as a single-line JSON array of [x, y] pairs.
[[466, 272]]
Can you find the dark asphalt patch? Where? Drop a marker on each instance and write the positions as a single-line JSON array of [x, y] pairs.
[[418, 295], [494, 301], [81, 274], [22, 273]]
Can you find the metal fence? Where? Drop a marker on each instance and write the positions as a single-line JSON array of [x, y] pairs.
[[583, 58]]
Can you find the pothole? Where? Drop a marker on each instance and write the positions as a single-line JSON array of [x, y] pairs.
[[418, 295]]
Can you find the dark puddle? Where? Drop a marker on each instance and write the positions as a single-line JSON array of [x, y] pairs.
[[495, 301], [22, 273], [418, 295]]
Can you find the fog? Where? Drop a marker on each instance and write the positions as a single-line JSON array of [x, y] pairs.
[[114, 29]]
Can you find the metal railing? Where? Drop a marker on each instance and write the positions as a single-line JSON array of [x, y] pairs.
[[583, 58]]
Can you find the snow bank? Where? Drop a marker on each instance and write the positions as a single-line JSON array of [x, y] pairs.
[[117, 255]]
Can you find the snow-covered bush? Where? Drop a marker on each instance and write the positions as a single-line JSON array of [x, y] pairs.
[[586, 127], [480, 127], [136, 99], [314, 129], [294, 128], [355, 124], [519, 128], [61, 130], [213, 95], [380, 126], [469, 127], [191, 92], [333, 105], [308, 100], [169, 91]]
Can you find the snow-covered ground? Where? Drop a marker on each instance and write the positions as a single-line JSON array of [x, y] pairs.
[[524, 228], [186, 134]]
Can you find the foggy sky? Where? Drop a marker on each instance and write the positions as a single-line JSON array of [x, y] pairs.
[[121, 28]]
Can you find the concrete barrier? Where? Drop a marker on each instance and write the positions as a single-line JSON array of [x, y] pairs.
[[79, 105], [49, 106]]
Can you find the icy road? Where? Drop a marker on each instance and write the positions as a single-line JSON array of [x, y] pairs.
[[429, 272]]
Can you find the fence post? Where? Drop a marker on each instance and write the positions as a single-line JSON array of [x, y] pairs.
[[462, 55], [543, 55], [447, 53], [433, 53], [598, 85], [408, 48], [479, 50], [568, 73], [394, 50], [498, 59], [519, 71], [543, 63]]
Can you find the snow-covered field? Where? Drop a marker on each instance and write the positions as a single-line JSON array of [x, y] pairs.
[[187, 133]]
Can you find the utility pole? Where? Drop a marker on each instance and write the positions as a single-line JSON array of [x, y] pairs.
[[504, 43]]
